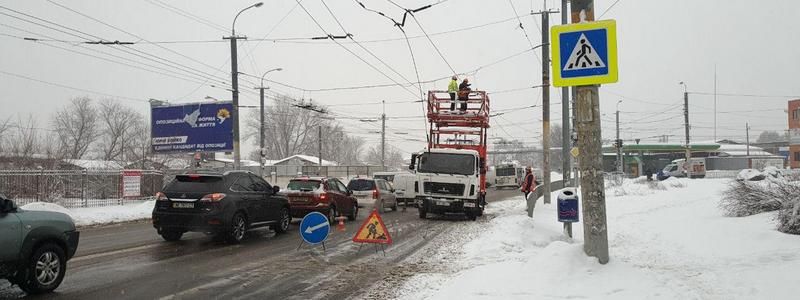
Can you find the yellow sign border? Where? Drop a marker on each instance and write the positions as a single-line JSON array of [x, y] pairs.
[[611, 28]]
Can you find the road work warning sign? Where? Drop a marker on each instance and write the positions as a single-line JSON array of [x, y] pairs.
[[373, 231]]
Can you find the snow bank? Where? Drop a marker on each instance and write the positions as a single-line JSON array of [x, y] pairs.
[[99, 215], [668, 242]]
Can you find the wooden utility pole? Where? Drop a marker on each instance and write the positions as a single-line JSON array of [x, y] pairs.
[[595, 231]]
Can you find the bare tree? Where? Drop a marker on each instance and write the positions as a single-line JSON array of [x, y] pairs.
[[394, 157], [4, 127], [23, 143], [768, 136], [76, 125], [118, 124], [292, 130]]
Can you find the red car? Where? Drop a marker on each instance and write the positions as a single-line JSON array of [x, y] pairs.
[[326, 195]]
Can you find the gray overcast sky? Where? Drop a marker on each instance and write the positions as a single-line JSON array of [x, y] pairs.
[[752, 44]]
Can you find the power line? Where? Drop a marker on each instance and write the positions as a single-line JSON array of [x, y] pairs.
[[332, 38], [71, 87], [189, 15], [607, 9]]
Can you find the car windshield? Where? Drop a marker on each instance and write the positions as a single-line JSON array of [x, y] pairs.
[[194, 183], [303, 185], [385, 177], [361, 185], [447, 163]]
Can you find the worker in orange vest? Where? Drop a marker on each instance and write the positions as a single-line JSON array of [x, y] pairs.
[[529, 183]]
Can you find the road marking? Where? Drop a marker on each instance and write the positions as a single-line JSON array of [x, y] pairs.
[[311, 229]]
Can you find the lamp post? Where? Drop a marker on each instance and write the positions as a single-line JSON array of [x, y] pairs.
[[262, 150], [235, 85]]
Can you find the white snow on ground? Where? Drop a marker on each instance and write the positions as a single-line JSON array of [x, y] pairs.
[[99, 215], [667, 240]]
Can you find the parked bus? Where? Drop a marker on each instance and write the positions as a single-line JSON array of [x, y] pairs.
[[508, 176]]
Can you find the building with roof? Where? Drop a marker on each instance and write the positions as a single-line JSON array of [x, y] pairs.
[[794, 133]]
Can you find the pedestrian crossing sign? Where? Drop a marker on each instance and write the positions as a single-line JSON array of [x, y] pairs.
[[584, 53], [373, 231]]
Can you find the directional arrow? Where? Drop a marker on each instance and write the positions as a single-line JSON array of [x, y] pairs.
[[311, 229]]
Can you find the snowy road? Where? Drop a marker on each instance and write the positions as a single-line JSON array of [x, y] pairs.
[[130, 261]]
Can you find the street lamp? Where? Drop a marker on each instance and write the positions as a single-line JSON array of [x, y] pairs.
[[235, 86], [212, 99], [263, 151]]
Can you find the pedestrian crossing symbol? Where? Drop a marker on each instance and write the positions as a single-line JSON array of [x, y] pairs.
[[584, 53], [373, 231]]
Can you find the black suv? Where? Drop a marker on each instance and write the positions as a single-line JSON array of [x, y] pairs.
[[224, 204]]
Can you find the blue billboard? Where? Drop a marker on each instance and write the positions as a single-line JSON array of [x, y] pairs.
[[195, 127]]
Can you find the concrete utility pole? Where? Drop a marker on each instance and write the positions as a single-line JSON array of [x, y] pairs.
[[319, 144], [747, 137], [235, 86], [686, 125], [595, 230], [262, 150], [383, 137], [545, 105], [619, 143], [715, 103], [565, 128]]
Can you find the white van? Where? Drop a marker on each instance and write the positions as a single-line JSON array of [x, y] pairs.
[[404, 187], [678, 167]]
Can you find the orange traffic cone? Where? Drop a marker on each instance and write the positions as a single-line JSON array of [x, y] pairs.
[[340, 226]]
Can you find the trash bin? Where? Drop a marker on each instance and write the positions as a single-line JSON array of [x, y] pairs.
[[568, 205]]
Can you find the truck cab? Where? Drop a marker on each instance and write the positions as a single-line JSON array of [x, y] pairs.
[[448, 181]]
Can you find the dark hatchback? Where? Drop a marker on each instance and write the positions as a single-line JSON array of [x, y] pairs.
[[223, 204]]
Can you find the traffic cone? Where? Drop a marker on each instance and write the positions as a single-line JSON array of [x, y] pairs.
[[340, 226]]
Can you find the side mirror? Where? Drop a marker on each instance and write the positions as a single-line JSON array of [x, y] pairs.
[[392, 190], [413, 161], [276, 189], [349, 192], [7, 206]]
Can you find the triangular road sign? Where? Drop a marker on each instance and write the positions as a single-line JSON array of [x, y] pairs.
[[373, 231], [583, 56]]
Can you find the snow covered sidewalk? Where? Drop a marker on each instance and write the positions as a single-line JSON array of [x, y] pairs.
[[667, 241], [99, 215]]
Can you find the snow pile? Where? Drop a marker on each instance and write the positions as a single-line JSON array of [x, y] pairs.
[[99, 215], [664, 244]]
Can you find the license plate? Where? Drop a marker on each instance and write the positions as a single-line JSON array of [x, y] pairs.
[[183, 205], [468, 204], [442, 203]]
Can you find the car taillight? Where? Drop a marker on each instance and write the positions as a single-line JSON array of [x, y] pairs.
[[375, 194], [215, 197], [323, 197], [161, 197]]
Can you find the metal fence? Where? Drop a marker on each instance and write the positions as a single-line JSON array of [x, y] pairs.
[[75, 188]]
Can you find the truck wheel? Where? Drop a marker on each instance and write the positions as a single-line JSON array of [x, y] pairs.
[[423, 212], [394, 207], [171, 235], [45, 270]]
